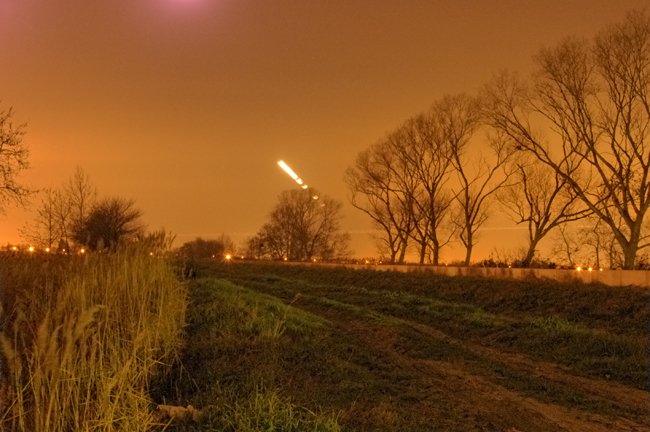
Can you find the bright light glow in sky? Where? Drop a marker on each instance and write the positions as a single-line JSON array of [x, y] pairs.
[[288, 170], [292, 174]]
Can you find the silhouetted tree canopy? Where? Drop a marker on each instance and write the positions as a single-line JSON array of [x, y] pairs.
[[201, 249], [304, 225], [109, 222]]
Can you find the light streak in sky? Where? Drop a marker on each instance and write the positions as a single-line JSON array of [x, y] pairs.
[[293, 175]]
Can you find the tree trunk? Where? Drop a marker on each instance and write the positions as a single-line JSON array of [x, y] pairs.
[[423, 252], [468, 255], [530, 254], [436, 252], [393, 254], [629, 255], [469, 245], [402, 252]]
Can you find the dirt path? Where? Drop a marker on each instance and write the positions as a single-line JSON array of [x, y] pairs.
[[481, 404], [613, 391]]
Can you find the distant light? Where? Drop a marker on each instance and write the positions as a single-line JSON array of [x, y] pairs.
[[590, 269], [314, 259], [285, 258], [315, 197], [227, 257], [601, 269], [47, 249], [367, 262], [14, 248], [151, 253], [31, 248], [304, 186], [579, 268], [82, 251]]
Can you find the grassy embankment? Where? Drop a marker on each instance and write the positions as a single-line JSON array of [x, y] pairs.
[[595, 330]]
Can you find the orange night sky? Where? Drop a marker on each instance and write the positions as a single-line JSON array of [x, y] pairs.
[[187, 105]]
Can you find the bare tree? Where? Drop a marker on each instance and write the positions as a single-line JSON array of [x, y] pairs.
[[589, 244], [44, 231], [304, 225], [62, 211], [253, 247], [13, 160], [81, 195], [372, 182], [479, 176], [403, 182], [541, 198], [565, 247], [591, 105], [425, 148]]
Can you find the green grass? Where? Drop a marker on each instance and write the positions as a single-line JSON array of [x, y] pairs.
[[253, 362], [585, 347], [253, 351], [231, 366], [619, 310]]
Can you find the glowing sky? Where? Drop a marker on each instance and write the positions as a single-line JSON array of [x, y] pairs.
[[187, 105]]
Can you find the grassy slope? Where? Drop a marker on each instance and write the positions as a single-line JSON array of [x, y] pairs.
[[261, 348], [596, 331]]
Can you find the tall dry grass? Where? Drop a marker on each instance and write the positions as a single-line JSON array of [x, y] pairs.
[[82, 336]]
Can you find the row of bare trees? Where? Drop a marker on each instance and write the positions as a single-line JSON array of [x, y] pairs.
[[568, 143], [61, 212], [73, 215], [428, 182]]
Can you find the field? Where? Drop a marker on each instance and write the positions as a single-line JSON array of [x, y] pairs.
[[293, 348], [97, 343]]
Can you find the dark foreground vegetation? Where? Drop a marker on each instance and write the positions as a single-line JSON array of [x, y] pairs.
[[291, 348]]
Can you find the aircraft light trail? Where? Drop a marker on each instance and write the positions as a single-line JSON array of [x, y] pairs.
[[293, 175]]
